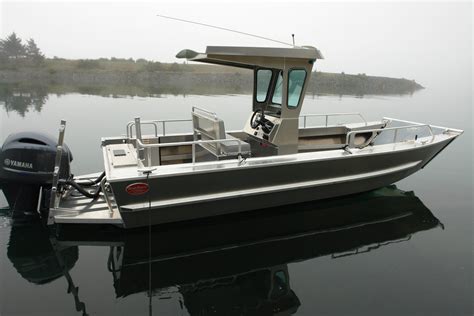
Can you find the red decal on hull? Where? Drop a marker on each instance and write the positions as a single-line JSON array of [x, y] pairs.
[[138, 188]]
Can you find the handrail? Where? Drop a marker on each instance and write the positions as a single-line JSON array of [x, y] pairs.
[[327, 115], [213, 114], [192, 143], [155, 123], [433, 126], [349, 135]]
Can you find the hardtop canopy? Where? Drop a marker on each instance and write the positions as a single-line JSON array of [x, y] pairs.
[[253, 57], [280, 81]]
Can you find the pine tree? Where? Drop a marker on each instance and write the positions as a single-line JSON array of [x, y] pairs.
[[33, 52], [3, 57], [12, 47]]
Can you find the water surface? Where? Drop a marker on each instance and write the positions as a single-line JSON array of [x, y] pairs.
[[407, 252]]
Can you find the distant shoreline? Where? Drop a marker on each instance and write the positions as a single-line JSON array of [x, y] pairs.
[[159, 78]]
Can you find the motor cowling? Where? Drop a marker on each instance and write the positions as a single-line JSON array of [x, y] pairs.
[[26, 167]]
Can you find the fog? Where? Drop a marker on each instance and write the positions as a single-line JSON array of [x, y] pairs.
[[415, 41]]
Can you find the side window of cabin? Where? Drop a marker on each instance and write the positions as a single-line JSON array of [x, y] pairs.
[[277, 93], [296, 78], [264, 76]]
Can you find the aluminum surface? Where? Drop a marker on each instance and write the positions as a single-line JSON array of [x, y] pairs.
[[73, 210]]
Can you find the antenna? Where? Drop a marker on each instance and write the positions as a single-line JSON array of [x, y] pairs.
[[225, 29]]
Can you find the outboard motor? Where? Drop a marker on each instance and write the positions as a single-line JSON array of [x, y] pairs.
[[26, 171]]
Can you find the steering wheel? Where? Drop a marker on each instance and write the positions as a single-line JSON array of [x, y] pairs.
[[256, 118]]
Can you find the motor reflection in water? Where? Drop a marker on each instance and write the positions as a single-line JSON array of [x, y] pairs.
[[234, 265]]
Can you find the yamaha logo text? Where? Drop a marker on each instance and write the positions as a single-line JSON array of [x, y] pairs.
[[19, 164]]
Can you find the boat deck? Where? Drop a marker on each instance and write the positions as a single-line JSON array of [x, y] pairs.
[[75, 208], [81, 209]]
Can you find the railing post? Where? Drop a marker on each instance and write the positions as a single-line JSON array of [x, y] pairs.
[[363, 118], [164, 131], [148, 154], [104, 186], [304, 122], [194, 152], [431, 132], [138, 128], [138, 131], [327, 119], [128, 129], [395, 136]]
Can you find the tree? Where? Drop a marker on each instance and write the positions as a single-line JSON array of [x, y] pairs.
[[3, 58], [12, 47], [34, 53]]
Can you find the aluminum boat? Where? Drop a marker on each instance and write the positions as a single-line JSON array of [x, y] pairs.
[[276, 159]]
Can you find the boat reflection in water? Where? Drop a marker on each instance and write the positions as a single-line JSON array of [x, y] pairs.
[[229, 265]]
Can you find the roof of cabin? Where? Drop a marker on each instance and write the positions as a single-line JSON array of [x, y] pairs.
[[252, 57]]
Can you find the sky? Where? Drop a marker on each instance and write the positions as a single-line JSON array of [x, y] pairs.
[[397, 39]]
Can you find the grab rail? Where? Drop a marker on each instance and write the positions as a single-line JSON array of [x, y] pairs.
[[350, 137], [332, 114], [155, 123], [141, 145], [212, 114], [446, 129]]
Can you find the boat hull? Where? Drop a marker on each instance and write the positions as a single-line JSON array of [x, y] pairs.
[[196, 195]]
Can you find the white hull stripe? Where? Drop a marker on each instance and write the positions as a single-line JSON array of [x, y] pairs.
[[267, 189]]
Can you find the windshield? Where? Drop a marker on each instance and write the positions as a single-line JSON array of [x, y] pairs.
[[296, 78], [264, 76], [277, 94]]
